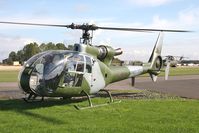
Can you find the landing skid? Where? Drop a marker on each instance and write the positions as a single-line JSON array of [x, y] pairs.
[[32, 98], [111, 101]]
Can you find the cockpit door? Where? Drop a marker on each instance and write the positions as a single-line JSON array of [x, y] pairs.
[[88, 71], [74, 71]]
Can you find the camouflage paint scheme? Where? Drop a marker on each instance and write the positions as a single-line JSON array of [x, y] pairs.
[[102, 73]]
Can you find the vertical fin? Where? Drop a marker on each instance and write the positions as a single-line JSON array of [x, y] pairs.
[[157, 48], [155, 59]]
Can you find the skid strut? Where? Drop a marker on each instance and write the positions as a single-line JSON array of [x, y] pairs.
[[32, 98], [98, 105]]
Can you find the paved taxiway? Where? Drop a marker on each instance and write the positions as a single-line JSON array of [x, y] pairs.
[[184, 86]]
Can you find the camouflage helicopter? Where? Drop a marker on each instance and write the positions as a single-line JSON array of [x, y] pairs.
[[86, 69]]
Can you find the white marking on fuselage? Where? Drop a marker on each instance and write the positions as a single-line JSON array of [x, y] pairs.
[[97, 80], [135, 70]]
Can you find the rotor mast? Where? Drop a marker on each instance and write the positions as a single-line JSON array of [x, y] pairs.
[[86, 35]]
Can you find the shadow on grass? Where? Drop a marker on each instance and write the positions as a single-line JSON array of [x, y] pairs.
[[19, 104], [21, 107], [123, 95]]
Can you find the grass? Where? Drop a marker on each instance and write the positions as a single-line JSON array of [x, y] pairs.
[[171, 115], [8, 76], [183, 71], [179, 71], [11, 76], [165, 115]]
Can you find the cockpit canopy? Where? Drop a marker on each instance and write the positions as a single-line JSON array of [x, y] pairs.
[[49, 68]]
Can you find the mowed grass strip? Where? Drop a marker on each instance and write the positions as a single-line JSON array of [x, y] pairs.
[[179, 71], [140, 116], [183, 71], [9, 76]]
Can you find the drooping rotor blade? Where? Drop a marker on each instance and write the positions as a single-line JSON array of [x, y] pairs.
[[36, 24], [140, 29]]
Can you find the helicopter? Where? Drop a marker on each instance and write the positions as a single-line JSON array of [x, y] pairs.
[[86, 69], [174, 60]]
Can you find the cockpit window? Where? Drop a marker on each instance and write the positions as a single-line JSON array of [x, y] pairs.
[[76, 57], [49, 65], [80, 67], [88, 65], [47, 70], [34, 58], [75, 63], [74, 71], [54, 67]]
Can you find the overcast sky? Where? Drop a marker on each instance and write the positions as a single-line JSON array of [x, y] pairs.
[[164, 14]]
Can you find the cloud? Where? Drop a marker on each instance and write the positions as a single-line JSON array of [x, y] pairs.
[[80, 8], [161, 23], [12, 43], [174, 43], [150, 3], [136, 53], [28, 19], [137, 46], [189, 16]]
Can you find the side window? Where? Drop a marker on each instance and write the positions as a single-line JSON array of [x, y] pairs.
[[80, 63], [75, 63], [80, 67], [88, 65], [71, 66], [77, 57]]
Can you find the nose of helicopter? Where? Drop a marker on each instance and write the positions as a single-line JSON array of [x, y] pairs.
[[43, 74], [46, 73]]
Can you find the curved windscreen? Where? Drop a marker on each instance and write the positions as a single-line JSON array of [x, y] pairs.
[[50, 68], [49, 65], [34, 58]]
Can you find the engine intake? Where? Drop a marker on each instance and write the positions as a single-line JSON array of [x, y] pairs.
[[106, 51]]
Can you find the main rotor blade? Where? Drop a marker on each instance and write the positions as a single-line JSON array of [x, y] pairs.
[[140, 29], [88, 27], [35, 24]]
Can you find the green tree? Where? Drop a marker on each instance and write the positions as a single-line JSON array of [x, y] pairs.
[[30, 50], [61, 46], [13, 56], [70, 47], [42, 47], [9, 61], [20, 56], [33, 48], [50, 46]]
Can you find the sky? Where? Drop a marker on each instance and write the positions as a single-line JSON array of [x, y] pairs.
[[162, 14]]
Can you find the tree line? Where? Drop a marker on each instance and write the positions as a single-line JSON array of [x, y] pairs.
[[31, 49]]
